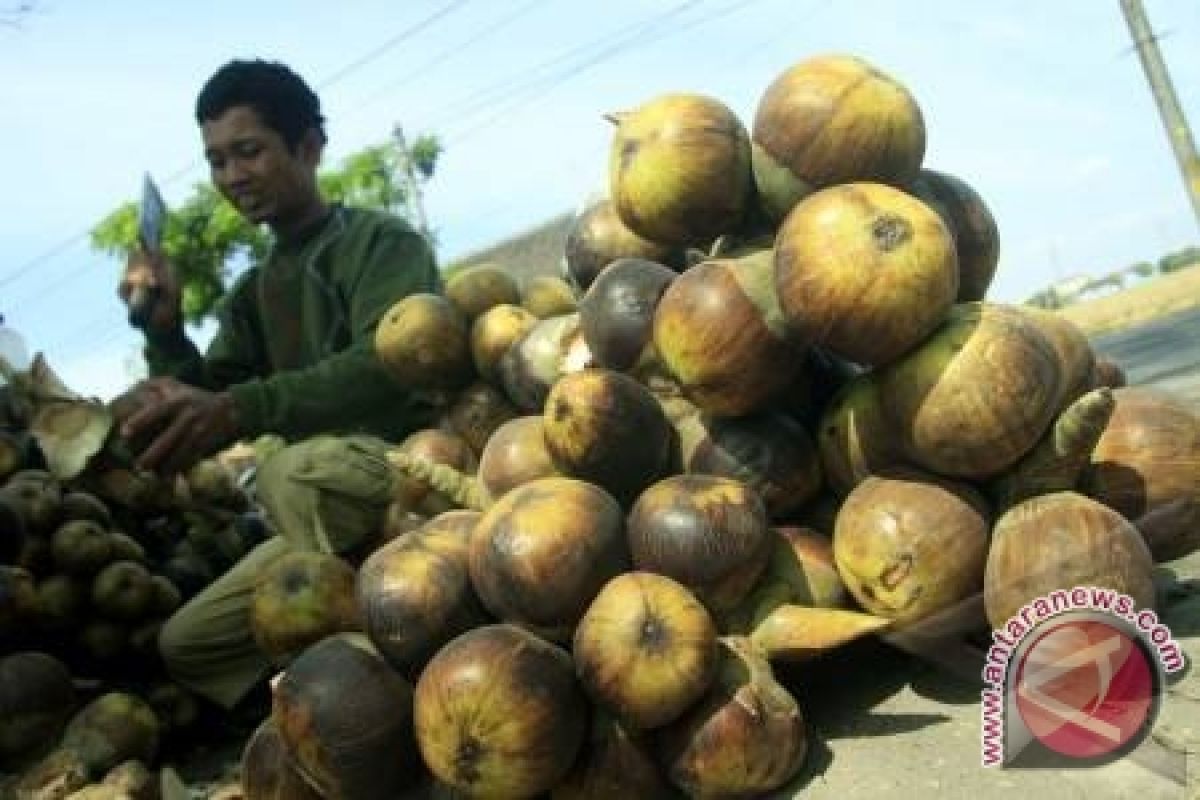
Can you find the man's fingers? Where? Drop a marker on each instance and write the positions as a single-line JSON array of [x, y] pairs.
[[162, 449], [144, 419]]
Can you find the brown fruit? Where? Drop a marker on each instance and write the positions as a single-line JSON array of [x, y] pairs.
[[105, 642], [544, 550], [476, 289], [12, 454], [1076, 359], [679, 169], [12, 533], [770, 452], [38, 500], [18, 600], [709, 533], [547, 351], [498, 713], [437, 447], [113, 728], [617, 311], [299, 599], [1148, 457], [836, 119], [84, 505], [267, 771], [614, 763], [422, 341], [745, 738], [1057, 542], [493, 332], [416, 593], [36, 699], [976, 237], [81, 547], [61, 602], [598, 237], [477, 412], [345, 718], [604, 427], [975, 396], [123, 591], [166, 596], [547, 296], [211, 483], [719, 332], [864, 270], [515, 454], [911, 546], [853, 435], [646, 649], [803, 562], [126, 548]]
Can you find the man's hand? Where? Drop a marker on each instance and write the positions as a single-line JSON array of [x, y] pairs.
[[182, 424], [150, 272]]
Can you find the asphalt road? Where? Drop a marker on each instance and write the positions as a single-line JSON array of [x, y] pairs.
[[1164, 353]]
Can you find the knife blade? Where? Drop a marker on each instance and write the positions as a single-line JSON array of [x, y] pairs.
[[152, 221]]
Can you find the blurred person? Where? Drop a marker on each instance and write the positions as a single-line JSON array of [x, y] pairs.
[[292, 356]]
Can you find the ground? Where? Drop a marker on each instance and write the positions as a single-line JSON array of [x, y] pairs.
[[1152, 299]]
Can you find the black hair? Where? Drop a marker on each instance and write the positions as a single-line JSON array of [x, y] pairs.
[[281, 97]]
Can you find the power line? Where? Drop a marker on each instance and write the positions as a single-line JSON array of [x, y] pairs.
[[442, 57], [400, 37], [338, 75], [598, 58], [532, 77]]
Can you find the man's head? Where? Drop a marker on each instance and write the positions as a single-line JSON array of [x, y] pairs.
[[263, 136]]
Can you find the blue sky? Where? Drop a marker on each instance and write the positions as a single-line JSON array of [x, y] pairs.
[[1042, 106]]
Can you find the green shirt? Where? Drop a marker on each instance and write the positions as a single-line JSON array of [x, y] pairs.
[[295, 338]]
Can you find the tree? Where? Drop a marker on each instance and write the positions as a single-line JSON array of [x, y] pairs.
[[1179, 259], [208, 242], [1143, 269]]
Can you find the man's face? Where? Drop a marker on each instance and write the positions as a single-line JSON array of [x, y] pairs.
[[253, 168]]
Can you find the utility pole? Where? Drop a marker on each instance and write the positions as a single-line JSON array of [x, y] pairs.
[[412, 192], [1164, 96]]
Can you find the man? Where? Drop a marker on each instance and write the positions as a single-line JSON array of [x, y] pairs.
[[292, 356]]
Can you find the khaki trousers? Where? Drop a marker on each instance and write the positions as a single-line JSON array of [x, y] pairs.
[[326, 494]]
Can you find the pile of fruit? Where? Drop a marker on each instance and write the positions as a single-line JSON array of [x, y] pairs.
[[767, 410], [92, 562]]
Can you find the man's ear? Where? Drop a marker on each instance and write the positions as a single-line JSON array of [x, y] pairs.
[[312, 143]]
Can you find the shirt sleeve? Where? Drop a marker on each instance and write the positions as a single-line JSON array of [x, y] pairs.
[[351, 384], [234, 354]]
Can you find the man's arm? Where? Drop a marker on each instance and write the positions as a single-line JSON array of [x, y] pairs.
[[350, 386], [233, 355]]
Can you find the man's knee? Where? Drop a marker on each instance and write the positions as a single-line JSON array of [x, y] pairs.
[[327, 492]]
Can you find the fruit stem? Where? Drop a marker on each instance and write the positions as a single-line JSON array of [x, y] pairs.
[[796, 633], [1057, 460], [461, 489]]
